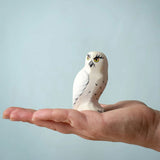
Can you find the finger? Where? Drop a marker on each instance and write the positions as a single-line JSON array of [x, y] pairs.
[[20, 114], [7, 112], [56, 126], [70, 116], [121, 104], [109, 107], [57, 115]]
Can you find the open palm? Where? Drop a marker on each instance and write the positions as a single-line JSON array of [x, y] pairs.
[[126, 121]]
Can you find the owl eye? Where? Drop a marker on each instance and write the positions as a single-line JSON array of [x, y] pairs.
[[88, 57], [96, 59]]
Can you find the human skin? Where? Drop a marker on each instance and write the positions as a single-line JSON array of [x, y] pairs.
[[127, 121]]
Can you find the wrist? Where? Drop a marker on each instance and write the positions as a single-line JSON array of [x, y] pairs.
[[151, 137], [156, 138], [154, 133]]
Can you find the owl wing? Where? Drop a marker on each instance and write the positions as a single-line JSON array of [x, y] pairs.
[[80, 83]]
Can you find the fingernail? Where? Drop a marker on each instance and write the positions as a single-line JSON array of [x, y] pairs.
[[5, 117], [12, 118], [33, 118], [36, 116]]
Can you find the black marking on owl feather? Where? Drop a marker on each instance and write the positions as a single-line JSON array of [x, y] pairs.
[[100, 111], [80, 93], [96, 84]]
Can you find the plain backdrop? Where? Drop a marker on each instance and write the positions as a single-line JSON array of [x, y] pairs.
[[43, 44]]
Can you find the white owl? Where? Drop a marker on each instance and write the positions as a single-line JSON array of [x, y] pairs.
[[90, 82]]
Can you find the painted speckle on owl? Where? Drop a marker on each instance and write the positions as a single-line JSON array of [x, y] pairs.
[[90, 82]]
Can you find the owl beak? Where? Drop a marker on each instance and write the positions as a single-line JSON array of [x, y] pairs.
[[91, 64]]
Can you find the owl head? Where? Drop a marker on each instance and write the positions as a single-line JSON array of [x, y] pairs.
[[96, 62]]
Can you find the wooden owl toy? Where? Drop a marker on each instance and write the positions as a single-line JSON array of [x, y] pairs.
[[90, 82]]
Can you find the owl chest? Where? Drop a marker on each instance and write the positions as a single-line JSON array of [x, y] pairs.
[[94, 89]]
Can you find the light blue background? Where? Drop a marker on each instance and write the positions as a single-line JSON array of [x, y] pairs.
[[42, 47]]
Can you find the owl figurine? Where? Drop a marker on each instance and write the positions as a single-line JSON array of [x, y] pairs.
[[90, 82]]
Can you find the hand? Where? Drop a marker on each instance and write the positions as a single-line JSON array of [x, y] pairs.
[[127, 121]]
